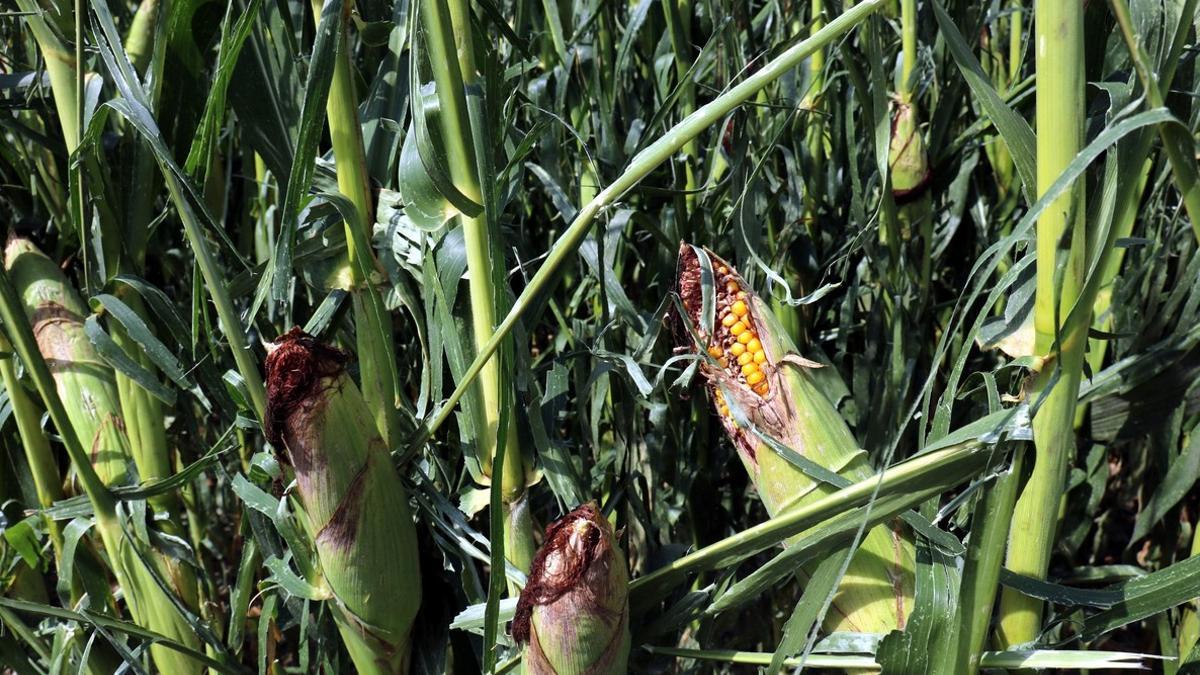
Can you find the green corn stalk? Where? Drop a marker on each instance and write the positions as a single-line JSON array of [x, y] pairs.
[[639, 167], [43, 317], [772, 394], [450, 43], [46, 478], [573, 614], [908, 158], [358, 269], [1061, 238], [356, 508]]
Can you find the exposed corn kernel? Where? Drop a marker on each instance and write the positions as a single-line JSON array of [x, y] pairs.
[[754, 345], [749, 369], [738, 328], [745, 358], [739, 308], [755, 377], [715, 352], [728, 320], [731, 287], [762, 388], [760, 357], [737, 349], [722, 270], [746, 337]]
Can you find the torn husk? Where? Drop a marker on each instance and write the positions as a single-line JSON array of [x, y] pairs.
[[357, 509], [573, 614], [756, 375]]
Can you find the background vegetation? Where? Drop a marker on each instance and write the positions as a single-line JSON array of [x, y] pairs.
[[978, 261]]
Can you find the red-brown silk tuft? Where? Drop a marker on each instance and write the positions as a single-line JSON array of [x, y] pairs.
[[294, 373], [542, 588]]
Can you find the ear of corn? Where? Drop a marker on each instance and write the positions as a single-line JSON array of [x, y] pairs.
[[573, 614], [756, 370], [87, 387], [84, 382], [357, 511]]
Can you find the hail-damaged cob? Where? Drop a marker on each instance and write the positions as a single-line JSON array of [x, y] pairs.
[[356, 508], [573, 614], [86, 385], [753, 367]]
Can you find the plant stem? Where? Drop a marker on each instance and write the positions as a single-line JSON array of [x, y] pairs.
[[1174, 137], [1061, 239], [641, 166], [373, 328], [981, 571], [451, 56], [46, 476]]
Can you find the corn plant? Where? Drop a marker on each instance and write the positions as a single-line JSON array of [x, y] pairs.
[[436, 336]]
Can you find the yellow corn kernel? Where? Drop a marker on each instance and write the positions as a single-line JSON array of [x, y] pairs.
[[745, 358], [739, 308], [746, 337], [755, 377], [731, 287], [722, 270], [749, 369], [738, 328], [715, 352], [737, 349], [760, 357], [754, 345], [762, 388], [741, 295], [728, 320]]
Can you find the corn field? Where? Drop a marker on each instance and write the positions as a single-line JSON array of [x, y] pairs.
[[582, 337]]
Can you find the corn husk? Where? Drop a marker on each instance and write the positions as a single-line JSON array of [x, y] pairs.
[[787, 405], [84, 382], [356, 508], [88, 390], [573, 614]]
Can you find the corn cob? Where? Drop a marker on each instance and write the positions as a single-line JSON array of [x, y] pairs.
[[86, 385], [755, 368], [573, 614], [84, 382], [357, 512]]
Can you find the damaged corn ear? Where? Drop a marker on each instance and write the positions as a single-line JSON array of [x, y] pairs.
[[357, 509], [757, 369], [84, 382], [573, 614], [87, 387]]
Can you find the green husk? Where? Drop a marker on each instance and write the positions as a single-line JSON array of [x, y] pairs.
[[356, 508], [84, 382], [876, 592], [87, 388], [573, 614]]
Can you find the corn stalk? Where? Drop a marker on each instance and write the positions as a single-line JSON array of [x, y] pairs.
[[646, 161], [450, 42], [1061, 260], [358, 270]]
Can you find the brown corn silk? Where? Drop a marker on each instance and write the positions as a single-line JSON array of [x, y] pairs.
[[87, 387], [356, 508], [779, 397], [573, 614]]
